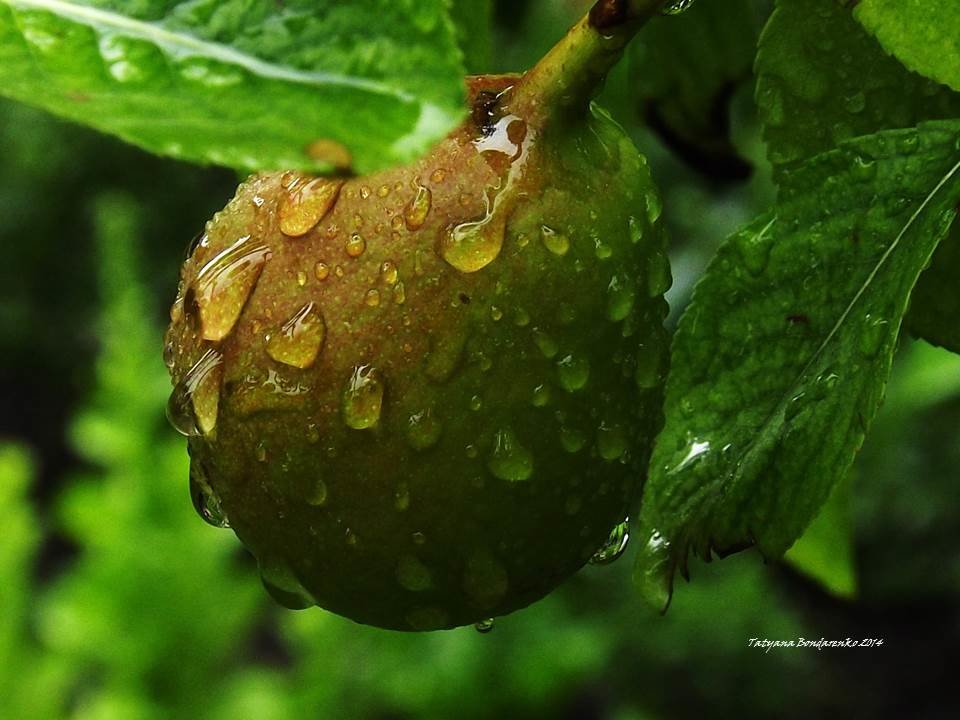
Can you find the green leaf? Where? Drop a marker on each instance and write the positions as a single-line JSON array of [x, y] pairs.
[[824, 553], [924, 34], [780, 361], [684, 70], [473, 20], [821, 79], [249, 84], [811, 95]]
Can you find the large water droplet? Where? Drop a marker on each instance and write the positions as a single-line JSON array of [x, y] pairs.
[[224, 284], [472, 246], [614, 546], [305, 203], [194, 402], [508, 459], [205, 501], [363, 398], [416, 212], [299, 340], [573, 372]]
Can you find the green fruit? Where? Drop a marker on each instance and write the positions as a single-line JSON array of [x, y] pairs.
[[426, 397]]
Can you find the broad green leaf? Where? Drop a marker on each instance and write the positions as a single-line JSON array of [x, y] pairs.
[[780, 361], [822, 79], [824, 553], [812, 94], [684, 70], [924, 34], [249, 84], [473, 20]]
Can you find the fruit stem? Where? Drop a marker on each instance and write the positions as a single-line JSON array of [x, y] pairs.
[[573, 71]]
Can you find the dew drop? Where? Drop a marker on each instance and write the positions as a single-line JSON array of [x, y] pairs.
[[557, 243], [548, 346], [305, 204], [321, 270], [614, 545], [299, 340], [372, 298], [389, 273], [301, 278], [412, 574], [572, 439], [193, 405], [508, 459], [635, 228], [659, 278], [363, 398], [541, 396], [399, 293], [675, 7], [416, 212], [573, 372], [611, 442], [224, 284], [401, 498], [872, 334]]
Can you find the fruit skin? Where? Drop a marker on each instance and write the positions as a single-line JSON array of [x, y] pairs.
[[465, 494]]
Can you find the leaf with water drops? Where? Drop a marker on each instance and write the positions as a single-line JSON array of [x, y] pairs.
[[925, 36], [811, 95], [700, 57], [780, 361], [246, 84]]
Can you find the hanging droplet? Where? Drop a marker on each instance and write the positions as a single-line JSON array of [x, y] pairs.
[[508, 459], [416, 212], [193, 405], [653, 571], [614, 546], [205, 501], [299, 340], [363, 398], [555, 242], [224, 284], [484, 626], [306, 203]]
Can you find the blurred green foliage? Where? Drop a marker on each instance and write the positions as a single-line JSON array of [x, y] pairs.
[[118, 602]]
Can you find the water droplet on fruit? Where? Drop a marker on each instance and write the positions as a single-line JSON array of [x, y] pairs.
[[224, 284], [508, 459], [611, 442], [548, 346], [363, 398], [205, 501], [614, 546], [541, 396], [299, 340], [572, 439], [557, 243], [573, 372], [417, 210], [401, 498], [317, 495], [389, 273], [621, 293], [356, 245], [872, 334], [423, 430], [659, 278], [472, 246], [321, 270], [372, 298], [484, 626], [306, 203], [412, 574], [194, 402]]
